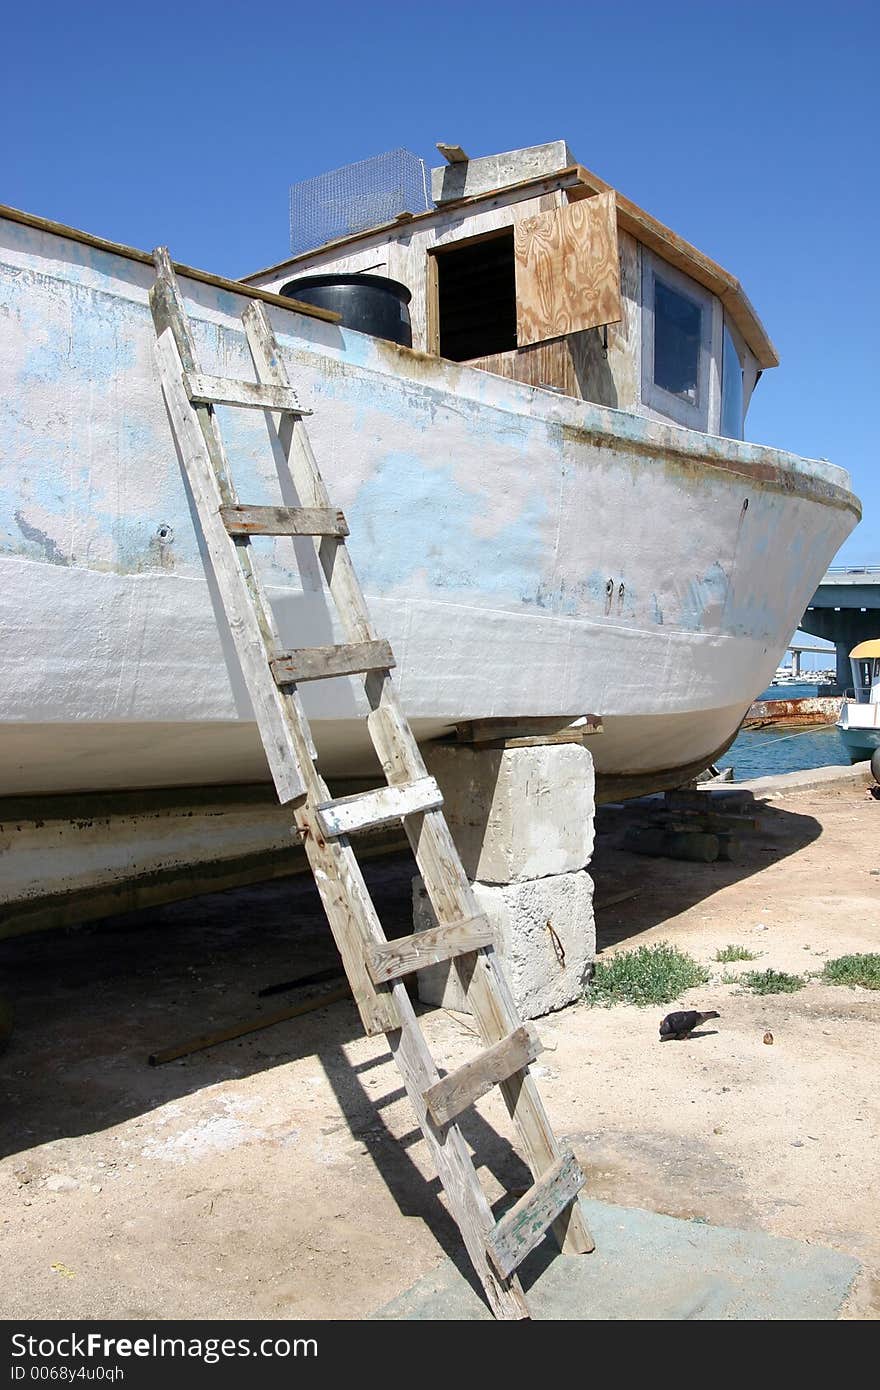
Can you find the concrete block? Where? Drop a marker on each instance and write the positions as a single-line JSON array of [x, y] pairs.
[[545, 935], [517, 813]]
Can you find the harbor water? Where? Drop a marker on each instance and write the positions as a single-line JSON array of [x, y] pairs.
[[763, 752]]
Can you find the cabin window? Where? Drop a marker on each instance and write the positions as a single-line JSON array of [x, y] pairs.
[[678, 331], [866, 672], [676, 344], [476, 297], [732, 411]]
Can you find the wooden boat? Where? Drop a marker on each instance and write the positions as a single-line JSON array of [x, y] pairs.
[[557, 523]]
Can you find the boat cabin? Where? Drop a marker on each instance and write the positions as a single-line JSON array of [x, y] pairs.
[[865, 663], [531, 267]]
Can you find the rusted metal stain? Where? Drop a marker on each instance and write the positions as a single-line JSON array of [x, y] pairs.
[[817, 709]]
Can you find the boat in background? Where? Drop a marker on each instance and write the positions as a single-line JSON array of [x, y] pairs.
[[859, 721]]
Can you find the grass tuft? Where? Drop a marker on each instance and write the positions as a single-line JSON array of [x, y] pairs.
[[649, 975], [772, 982], [853, 970], [729, 953]]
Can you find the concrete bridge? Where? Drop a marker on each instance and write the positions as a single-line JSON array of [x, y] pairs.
[[845, 609]]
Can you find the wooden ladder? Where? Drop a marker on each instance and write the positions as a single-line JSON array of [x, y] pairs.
[[375, 966]]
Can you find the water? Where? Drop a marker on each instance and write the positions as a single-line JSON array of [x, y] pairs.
[[763, 752]]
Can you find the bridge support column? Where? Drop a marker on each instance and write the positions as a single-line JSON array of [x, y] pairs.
[[844, 671]]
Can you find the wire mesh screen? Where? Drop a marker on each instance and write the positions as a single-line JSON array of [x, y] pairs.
[[355, 197]]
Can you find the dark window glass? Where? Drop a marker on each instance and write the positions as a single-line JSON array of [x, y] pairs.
[[678, 326], [731, 390], [476, 286]]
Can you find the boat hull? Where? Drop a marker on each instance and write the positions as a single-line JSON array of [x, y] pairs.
[[527, 555]]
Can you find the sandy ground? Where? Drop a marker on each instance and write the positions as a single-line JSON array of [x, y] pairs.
[[282, 1176]]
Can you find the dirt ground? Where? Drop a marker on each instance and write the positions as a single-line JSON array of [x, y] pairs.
[[282, 1175]]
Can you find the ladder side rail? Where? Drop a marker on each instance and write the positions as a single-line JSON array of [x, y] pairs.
[[347, 903], [453, 1162], [451, 894], [169, 312]]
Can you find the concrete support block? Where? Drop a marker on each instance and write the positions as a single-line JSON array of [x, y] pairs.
[[545, 934], [517, 813]]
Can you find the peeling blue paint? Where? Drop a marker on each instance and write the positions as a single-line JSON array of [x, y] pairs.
[[409, 501]]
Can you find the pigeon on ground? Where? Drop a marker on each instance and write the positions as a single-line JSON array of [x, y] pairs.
[[683, 1023]]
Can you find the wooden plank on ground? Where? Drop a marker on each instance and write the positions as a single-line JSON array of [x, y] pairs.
[[459, 1090], [370, 810], [283, 521], [220, 390], [408, 953], [567, 270], [319, 663], [525, 1224]]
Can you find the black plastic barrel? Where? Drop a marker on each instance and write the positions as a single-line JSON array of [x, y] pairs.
[[370, 303]]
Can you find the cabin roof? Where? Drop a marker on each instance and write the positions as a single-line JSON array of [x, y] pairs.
[[866, 649], [578, 183]]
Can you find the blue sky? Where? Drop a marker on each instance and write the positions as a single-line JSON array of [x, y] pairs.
[[750, 128]]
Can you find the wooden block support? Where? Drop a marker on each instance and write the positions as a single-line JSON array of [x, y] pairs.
[[453, 154], [283, 521], [319, 663], [408, 953], [370, 810], [220, 390], [459, 1090], [525, 1224]]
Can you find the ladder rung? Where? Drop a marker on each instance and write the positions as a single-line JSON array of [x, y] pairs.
[[390, 959], [456, 1092], [283, 521], [260, 395], [524, 1225], [369, 810], [317, 663]]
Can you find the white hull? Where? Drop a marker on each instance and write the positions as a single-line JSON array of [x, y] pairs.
[[488, 520], [859, 727]]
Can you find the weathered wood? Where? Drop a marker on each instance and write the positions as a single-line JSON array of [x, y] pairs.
[[452, 896], [132, 253], [406, 954], [281, 719], [477, 177], [567, 270], [251, 1025], [220, 390], [678, 252], [283, 521], [272, 718], [525, 1224], [459, 1090], [453, 1162], [453, 154], [370, 810], [526, 733], [320, 663]]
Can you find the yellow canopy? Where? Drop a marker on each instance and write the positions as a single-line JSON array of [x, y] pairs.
[[871, 648]]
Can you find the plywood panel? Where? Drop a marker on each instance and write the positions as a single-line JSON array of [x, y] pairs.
[[567, 270]]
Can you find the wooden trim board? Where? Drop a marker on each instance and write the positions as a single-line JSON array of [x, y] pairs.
[[131, 253]]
